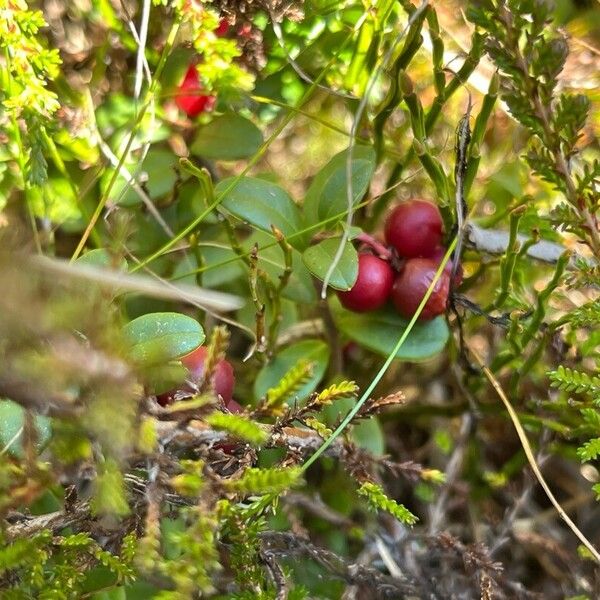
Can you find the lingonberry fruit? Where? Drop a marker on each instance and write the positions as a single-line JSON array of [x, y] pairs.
[[414, 228], [372, 287], [413, 282], [223, 379], [190, 98], [438, 254], [222, 29], [234, 407]]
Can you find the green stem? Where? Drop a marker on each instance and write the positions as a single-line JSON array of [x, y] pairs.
[[507, 265], [489, 100]]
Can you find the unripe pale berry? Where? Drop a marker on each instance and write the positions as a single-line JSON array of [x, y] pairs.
[[189, 97], [413, 282], [414, 228], [372, 287]]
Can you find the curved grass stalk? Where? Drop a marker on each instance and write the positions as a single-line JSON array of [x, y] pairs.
[[386, 364], [514, 417]]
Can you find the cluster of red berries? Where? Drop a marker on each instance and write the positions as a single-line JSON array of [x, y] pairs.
[[190, 98], [222, 380], [413, 232]]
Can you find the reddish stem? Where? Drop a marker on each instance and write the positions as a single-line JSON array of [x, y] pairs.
[[382, 251]]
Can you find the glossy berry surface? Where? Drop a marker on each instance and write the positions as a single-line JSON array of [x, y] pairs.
[[189, 97], [372, 287], [234, 407], [414, 228], [223, 379], [438, 255], [223, 28], [412, 284]]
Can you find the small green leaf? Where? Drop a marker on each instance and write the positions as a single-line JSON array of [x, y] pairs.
[[319, 257], [368, 434], [379, 331], [160, 337], [314, 351], [327, 195], [262, 204], [229, 137], [159, 174], [12, 417]]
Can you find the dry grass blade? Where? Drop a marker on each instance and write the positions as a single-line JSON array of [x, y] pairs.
[[531, 458], [127, 282]]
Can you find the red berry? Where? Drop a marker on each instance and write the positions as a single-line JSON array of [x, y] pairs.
[[222, 29], [189, 98], [413, 282], [437, 255], [414, 228], [167, 398], [373, 285], [234, 407], [223, 379]]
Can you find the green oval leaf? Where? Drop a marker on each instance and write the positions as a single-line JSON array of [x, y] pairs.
[[263, 204], [368, 434], [160, 337], [12, 417], [379, 331], [326, 196], [229, 137], [160, 175], [319, 257], [315, 351]]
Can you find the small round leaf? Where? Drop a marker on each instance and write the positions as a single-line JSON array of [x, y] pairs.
[[263, 204], [380, 331], [229, 137], [160, 337], [319, 257], [327, 195], [12, 417]]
